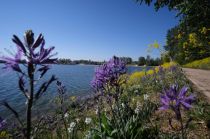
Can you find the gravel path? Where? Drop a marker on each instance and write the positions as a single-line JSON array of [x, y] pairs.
[[201, 79]]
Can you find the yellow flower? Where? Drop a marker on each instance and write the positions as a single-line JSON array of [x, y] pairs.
[[179, 36], [193, 38], [4, 134], [157, 69], [137, 76], [185, 45], [156, 45], [134, 77], [204, 30], [150, 72], [168, 65], [73, 98]]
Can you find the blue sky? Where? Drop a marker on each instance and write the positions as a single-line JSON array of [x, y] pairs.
[[87, 29]]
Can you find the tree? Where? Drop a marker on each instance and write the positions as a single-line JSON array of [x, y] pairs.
[[148, 60], [127, 60], [141, 61], [165, 58], [190, 40]]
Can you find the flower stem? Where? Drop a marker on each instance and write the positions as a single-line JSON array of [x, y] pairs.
[[182, 128], [30, 99]]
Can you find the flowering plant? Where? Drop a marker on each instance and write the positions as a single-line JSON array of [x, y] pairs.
[[174, 99], [34, 60], [108, 74]]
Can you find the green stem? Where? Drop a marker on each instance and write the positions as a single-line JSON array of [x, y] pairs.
[[30, 99], [63, 116], [99, 116], [182, 128]]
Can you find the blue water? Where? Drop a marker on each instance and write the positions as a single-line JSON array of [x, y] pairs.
[[76, 78]]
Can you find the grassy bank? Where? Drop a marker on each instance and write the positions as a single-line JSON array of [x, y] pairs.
[[199, 64]]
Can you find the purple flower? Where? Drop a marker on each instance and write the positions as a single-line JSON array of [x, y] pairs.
[[27, 52], [61, 88], [174, 99], [2, 123], [13, 62], [108, 73], [173, 68], [160, 70]]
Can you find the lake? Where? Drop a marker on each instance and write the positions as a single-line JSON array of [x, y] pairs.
[[76, 78]]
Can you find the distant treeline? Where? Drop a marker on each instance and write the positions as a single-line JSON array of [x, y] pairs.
[[128, 60], [75, 62], [149, 61]]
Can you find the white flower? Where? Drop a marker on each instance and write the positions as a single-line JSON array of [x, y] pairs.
[[77, 119], [71, 127], [146, 97], [70, 130], [88, 135], [88, 120], [96, 111], [72, 124], [123, 105], [138, 105], [137, 110], [66, 115]]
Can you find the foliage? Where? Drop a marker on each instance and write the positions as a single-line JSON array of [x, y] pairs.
[[141, 61], [186, 46], [189, 40], [136, 125]]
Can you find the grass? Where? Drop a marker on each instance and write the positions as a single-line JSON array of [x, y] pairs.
[[199, 64]]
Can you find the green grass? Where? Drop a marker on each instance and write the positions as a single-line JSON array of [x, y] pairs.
[[199, 64]]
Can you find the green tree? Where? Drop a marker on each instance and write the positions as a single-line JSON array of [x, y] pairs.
[[190, 40], [141, 61]]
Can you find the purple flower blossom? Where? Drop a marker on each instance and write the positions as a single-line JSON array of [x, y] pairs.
[[12, 62], [2, 123], [173, 68], [174, 99], [27, 52], [108, 73], [61, 88], [160, 70]]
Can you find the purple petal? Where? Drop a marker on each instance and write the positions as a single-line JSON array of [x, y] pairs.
[[165, 100], [183, 92], [186, 105], [164, 107]]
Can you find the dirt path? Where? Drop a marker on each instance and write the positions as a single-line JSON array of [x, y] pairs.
[[201, 79]]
